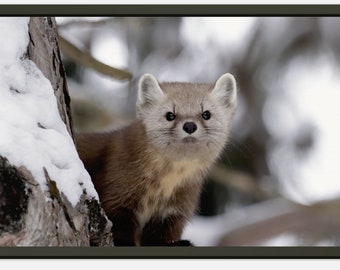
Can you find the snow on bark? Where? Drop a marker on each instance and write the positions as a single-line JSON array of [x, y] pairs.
[[46, 195], [32, 132]]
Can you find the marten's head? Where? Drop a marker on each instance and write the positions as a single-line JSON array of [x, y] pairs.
[[187, 120]]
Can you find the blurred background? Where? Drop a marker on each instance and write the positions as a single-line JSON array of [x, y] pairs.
[[278, 181]]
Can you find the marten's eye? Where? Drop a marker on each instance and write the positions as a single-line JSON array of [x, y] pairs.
[[170, 116], [206, 115]]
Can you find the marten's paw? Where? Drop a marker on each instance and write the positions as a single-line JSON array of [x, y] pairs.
[[181, 243]]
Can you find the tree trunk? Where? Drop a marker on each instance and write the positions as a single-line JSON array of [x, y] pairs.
[[27, 218], [44, 51]]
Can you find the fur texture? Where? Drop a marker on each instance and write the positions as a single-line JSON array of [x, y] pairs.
[[149, 174]]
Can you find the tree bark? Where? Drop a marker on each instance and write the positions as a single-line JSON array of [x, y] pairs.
[[43, 50], [26, 217]]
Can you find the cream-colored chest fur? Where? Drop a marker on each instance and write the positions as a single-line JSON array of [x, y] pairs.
[[156, 197]]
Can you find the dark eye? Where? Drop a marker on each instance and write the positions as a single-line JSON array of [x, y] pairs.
[[170, 116], [206, 115]]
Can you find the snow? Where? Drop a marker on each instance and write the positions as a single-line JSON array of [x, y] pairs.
[[311, 100], [216, 227], [32, 133]]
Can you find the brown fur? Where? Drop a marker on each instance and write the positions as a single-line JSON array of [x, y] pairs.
[[126, 173], [149, 184]]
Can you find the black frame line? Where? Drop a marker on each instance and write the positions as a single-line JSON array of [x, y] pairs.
[[170, 252]]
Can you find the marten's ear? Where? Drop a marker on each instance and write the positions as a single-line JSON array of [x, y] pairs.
[[149, 91], [225, 90]]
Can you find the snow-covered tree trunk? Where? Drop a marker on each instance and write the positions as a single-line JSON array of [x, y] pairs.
[[46, 196], [44, 51]]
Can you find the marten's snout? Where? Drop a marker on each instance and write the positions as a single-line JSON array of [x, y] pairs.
[[189, 127]]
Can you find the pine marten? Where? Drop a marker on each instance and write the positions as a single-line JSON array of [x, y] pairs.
[[149, 174]]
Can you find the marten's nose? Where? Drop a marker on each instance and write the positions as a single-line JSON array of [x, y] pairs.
[[189, 127]]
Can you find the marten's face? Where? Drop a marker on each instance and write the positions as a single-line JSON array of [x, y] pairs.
[[187, 120]]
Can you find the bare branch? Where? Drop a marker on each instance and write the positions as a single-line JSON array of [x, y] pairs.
[[87, 60], [240, 181], [78, 22], [318, 221]]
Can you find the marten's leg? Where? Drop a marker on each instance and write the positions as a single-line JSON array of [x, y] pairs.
[[164, 232], [125, 228]]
